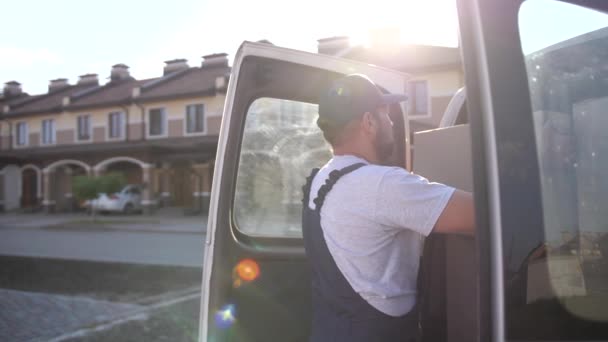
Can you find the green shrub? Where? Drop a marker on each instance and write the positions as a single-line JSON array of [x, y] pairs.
[[87, 188], [111, 182]]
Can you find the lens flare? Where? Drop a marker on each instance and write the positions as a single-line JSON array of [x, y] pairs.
[[248, 270], [225, 317]]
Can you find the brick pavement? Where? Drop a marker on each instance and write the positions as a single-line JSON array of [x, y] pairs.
[[28, 316]]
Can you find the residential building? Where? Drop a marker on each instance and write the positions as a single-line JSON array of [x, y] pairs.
[[161, 133]]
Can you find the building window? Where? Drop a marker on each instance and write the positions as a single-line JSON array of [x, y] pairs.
[[21, 138], [195, 118], [157, 122], [84, 127], [48, 132], [419, 98], [116, 125]]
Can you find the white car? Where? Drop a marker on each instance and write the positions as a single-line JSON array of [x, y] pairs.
[[127, 200]]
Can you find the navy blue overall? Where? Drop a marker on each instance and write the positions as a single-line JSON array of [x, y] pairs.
[[339, 313]]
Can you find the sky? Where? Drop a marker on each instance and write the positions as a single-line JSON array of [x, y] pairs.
[[69, 38], [543, 23], [44, 40]]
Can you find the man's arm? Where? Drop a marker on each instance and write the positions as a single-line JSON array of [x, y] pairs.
[[458, 215]]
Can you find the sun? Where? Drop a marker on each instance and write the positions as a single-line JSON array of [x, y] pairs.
[[403, 22]]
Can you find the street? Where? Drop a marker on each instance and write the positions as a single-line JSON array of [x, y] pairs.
[[137, 240], [66, 277], [178, 249]]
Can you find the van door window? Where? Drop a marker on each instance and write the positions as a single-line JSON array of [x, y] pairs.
[[281, 144], [566, 278]]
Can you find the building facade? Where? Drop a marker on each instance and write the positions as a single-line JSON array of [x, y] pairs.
[[436, 71], [160, 133]]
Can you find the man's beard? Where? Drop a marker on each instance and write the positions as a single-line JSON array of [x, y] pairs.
[[384, 149]]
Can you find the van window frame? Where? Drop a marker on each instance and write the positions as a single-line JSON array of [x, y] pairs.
[[269, 244]]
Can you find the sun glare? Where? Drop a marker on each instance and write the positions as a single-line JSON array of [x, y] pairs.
[[405, 22], [431, 22]]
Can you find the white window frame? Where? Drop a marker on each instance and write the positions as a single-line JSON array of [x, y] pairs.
[[77, 135], [411, 103], [26, 135], [164, 124], [204, 131], [53, 132], [122, 129]]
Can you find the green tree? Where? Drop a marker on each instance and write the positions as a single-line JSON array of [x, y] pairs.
[[111, 182], [87, 188]]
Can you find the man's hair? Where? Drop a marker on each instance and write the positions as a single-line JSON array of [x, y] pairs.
[[330, 132], [346, 100], [334, 132]]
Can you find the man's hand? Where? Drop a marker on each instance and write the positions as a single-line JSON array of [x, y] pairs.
[[458, 215]]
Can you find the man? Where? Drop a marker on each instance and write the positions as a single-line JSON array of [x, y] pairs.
[[363, 222]]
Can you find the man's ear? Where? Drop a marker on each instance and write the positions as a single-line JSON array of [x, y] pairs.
[[367, 121]]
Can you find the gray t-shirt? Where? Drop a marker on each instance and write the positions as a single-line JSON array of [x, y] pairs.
[[374, 220]]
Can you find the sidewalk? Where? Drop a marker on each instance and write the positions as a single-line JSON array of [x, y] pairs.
[[27, 316], [30, 316], [164, 221]]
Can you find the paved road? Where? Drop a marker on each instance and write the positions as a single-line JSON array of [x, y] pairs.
[[178, 249]]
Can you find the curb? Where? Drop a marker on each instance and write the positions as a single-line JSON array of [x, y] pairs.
[[102, 228], [128, 230]]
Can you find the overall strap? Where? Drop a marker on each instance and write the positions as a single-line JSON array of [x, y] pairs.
[[334, 176], [307, 185]]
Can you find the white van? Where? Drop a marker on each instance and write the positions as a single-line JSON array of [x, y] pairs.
[[531, 144]]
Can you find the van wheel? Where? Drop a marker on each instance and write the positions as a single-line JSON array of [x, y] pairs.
[[128, 209]]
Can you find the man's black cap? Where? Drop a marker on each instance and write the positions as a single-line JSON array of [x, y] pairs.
[[349, 97]]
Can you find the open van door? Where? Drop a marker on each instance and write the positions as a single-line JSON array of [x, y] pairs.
[[537, 92], [536, 98], [256, 284]]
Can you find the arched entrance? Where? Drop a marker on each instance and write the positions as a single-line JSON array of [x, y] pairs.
[[132, 172], [135, 171], [101, 166], [51, 167], [30, 185], [57, 184]]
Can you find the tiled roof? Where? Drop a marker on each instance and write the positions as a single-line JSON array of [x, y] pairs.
[[15, 100], [111, 93], [50, 102], [193, 81], [151, 83], [196, 81], [408, 58]]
